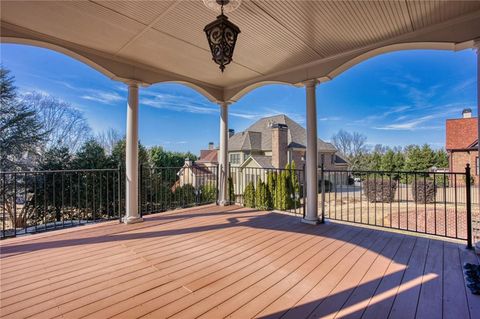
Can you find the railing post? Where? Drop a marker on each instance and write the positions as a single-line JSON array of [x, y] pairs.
[[322, 188], [469, 206], [217, 172], [119, 190], [304, 190], [140, 192]]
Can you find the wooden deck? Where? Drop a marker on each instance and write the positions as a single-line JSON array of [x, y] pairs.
[[215, 262]]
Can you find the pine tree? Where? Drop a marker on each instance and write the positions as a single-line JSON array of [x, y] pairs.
[[295, 183], [271, 186], [249, 195], [261, 195], [231, 190]]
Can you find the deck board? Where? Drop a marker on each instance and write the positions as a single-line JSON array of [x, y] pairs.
[[216, 262]]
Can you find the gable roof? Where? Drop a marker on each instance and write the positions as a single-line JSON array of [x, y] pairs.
[[461, 133], [196, 168], [258, 136], [208, 156], [262, 161]]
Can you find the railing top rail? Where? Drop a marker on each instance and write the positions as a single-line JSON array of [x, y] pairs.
[[267, 169], [62, 171], [391, 172]]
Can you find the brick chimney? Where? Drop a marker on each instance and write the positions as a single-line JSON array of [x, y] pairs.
[[279, 145], [467, 113], [210, 146]]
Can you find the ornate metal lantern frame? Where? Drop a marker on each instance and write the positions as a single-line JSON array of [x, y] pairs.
[[222, 37]]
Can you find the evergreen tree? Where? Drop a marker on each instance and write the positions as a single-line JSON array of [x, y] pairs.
[[249, 195], [231, 190], [261, 200], [295, 183], [119, 150], [20, 129], [270, 188], [91, 155], [281, 192], [56, 158], [441, 159]]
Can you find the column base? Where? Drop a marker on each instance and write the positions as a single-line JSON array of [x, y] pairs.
[[223, 203], [132, 219], [311, 222]]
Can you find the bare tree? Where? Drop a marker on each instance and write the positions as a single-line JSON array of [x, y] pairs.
[[108, 139], [350, 144], [65, 126]]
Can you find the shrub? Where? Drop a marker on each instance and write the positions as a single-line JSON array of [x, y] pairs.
[[378, 190], [208, 193], [185, 195], [231, 191], [281, 192], [249, 195], [271, 185], [424, 191], [261, 200]]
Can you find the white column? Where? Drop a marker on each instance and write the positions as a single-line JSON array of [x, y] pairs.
[[311, 214], [131, 157], [474, 167], [223, 156]]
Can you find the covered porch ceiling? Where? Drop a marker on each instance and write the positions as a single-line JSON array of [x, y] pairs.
[[280, 41]]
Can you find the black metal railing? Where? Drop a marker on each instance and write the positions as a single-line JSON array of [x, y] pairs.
[[435, 203], [166, 188], [267, 188], [36, 201]]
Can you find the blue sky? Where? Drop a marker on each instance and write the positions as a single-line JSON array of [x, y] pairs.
[[394, 99]]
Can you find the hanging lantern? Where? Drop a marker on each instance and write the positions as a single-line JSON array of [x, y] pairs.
[[222, 36]]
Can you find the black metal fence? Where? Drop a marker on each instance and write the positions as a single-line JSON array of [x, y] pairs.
[[36, 201], [268, 188], [166, 188], [435, 203]]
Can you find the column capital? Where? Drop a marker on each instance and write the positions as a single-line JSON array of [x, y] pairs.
[[310, 83], [224, 103], [135, 83], [476, 45]]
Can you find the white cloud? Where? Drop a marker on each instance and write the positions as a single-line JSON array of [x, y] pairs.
[[103, 96]]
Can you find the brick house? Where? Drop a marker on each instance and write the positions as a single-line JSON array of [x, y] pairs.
[[462, 143], [272, 142]]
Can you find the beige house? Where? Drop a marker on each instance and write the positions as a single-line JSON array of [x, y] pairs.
[[274, 141], [196, 174], [268, 144]]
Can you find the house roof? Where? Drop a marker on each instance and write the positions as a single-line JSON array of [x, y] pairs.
[[197, 168], [339, 159], [258, 136], [208, 156], [262, 161], [461, 133]]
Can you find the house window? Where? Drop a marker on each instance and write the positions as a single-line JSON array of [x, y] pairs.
[[235, 158]]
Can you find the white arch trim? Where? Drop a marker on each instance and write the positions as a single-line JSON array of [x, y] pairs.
[[101, 69], [296, 76], [446, 46], [60, 49]]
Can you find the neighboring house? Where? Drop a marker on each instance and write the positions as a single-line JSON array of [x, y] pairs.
[[462, 143], [274, 141], [269, 143], [196, 174]]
